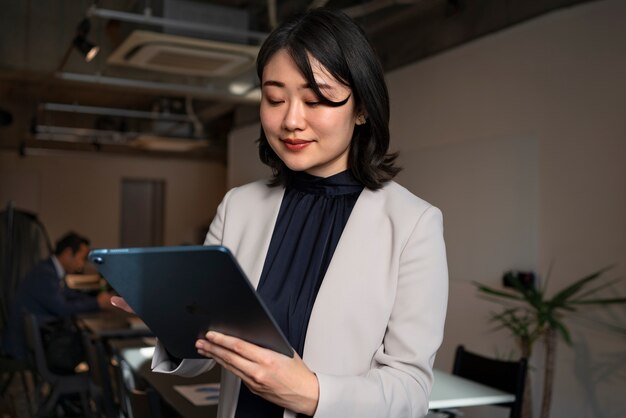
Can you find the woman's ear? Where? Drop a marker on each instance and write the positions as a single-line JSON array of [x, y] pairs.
[[361, 116]]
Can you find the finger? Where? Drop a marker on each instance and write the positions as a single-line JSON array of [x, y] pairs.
[[225, 359], [226, 355], [242, 348], [120, 303], [254, 386], [234, 370]]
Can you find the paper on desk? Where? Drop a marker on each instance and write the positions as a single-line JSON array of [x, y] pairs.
[[149, 341], [200, 395]]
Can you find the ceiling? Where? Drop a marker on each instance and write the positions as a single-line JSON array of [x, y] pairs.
[[156, 100]]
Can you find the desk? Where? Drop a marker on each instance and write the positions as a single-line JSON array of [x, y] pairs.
[[102, 326], [139, 359], [113, 324], [450, 391]]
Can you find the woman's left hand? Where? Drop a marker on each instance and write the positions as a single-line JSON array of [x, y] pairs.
[[285, 381]]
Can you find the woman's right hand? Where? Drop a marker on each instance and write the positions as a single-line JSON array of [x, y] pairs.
[[120, 303]]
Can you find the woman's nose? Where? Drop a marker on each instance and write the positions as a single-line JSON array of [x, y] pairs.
[[295, 117]]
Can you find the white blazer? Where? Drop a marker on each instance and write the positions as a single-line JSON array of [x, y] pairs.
[[379, 315]]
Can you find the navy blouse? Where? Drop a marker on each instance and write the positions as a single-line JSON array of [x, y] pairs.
[[312, 216]]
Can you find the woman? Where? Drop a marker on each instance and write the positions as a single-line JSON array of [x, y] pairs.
[[351, 265]]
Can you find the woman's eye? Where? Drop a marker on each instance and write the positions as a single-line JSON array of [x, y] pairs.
[[312, 103], [274, 102]]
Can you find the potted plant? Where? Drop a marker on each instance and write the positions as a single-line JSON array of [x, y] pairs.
[[531, 315]]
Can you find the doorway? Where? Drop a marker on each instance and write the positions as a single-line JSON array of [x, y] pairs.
[[143, 207]]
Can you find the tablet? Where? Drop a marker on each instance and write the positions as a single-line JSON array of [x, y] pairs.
[[183, 292]]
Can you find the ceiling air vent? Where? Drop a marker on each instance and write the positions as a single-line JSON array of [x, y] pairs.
[[182, 55]]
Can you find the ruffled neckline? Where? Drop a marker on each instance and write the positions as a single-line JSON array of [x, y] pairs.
[[337, 184]]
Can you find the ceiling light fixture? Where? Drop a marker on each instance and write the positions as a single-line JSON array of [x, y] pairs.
[[80, 42]]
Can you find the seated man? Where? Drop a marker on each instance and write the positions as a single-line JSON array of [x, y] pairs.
[[43, 292]]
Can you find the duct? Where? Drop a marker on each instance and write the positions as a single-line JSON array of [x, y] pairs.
[[373, 6], [140, 140], [66, 134], [208, 92], [108, 111], [175, 24]]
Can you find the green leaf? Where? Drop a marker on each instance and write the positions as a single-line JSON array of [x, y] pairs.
[[517, 320], [493, 292], [529, 294], [610, 301], [560, 298], [529, 317], [598, 288]]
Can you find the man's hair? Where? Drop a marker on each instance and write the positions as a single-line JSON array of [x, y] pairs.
[[342, 48], [70, 240]]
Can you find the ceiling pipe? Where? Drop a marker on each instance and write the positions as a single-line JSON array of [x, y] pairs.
[[317, 4], [272, 14], [148, 19], [69, 134], [373, 6], [153, 86], [109, 111]]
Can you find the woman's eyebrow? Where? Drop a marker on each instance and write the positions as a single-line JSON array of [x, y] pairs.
[[275, 83]]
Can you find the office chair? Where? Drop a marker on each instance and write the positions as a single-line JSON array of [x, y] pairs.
[[99, 376], [23, 243], [509, 376], [10, 368], [59, 384], [136, 401]]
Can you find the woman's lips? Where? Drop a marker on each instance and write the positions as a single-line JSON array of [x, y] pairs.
[[295, 144]]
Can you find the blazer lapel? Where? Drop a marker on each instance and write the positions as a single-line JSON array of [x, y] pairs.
[[258, 234], [357, 241]]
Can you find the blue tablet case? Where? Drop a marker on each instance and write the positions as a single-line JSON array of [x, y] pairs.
[[183, 292]]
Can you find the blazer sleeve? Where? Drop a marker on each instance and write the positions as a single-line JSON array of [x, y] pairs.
[[45, 288], [161, 361], [400, 380]]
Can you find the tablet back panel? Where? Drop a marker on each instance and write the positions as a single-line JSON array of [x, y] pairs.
[[182, 292]]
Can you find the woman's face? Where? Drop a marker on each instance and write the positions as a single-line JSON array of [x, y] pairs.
[[305, 134]]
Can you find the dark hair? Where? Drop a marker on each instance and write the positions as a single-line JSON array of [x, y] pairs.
[[70, 240], [342, 48]]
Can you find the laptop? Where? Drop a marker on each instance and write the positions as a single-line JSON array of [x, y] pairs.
[[183, 292]]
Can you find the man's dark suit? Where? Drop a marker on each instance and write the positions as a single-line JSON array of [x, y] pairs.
[[44, 294]]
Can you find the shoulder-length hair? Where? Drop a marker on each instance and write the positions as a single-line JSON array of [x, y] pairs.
[[342, 48]]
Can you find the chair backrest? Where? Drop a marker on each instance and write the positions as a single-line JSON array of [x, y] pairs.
[[91, 355], [35, 347], [100, 365], [23, 243], [137, 402], [509, 376], [58, 384]]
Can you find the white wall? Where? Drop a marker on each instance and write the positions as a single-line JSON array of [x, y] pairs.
[[551, 92], [82, 192], [557, 81]]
